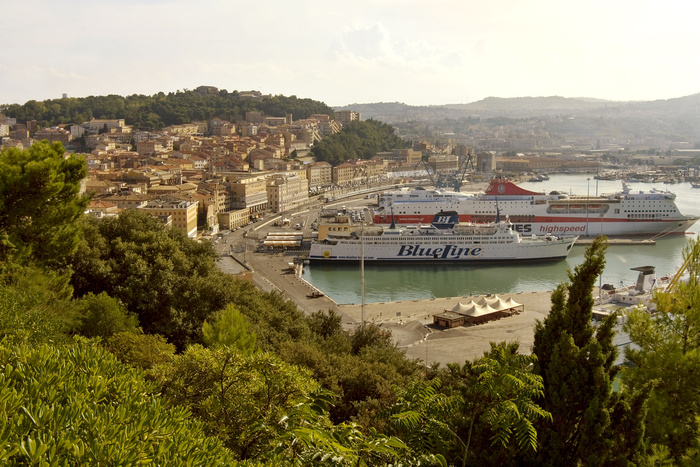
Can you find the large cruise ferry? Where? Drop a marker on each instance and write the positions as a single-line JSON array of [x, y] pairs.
[[444, 240], [623, 213]]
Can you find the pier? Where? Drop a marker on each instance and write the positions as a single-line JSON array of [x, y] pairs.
[[617, 241]]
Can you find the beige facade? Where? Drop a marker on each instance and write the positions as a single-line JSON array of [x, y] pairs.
[[249, 192], [319, 174], [374, 169], [182, 214], [186, 129], [346, 116], [129, 201], [216, 195], [286, 192], [53, 135], [528, 164], [95, 125], [234, 219], [343, 174], [444, 163]]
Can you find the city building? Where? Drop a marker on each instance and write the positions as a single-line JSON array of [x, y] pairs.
[[319, 174], [343, 174], [346, 116], [286, 192], [248, 191], [181, 214]]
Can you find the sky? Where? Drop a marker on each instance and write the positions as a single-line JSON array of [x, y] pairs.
[[342, 53]]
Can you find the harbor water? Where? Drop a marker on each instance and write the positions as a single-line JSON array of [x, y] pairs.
[[416, 282]]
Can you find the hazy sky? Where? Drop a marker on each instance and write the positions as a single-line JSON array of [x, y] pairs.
[[362, 51]]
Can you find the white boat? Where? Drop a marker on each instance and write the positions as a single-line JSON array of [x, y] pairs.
[[444, 240], [623, 213]]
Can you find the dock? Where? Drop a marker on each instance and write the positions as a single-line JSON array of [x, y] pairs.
[[617, 241]]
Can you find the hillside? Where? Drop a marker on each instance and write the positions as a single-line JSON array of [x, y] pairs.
[[677, 119]]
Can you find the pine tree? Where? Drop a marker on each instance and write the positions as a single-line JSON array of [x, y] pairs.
[[40, 202], [589, 424]]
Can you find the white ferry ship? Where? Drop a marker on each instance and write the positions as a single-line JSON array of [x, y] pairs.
[[444, 240], [624, 213]]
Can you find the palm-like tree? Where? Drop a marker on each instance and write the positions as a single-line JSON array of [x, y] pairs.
[[504, 396]]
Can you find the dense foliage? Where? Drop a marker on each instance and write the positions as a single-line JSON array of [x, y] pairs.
[[276, 387], [667, 358], [160, 110], [358, 140], [77, 405], [39, 203]]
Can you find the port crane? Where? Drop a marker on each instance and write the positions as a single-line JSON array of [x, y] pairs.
[[440, 180]]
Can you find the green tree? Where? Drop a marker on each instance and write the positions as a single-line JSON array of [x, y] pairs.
[[667, 356], [310, 439], [35, 306], [418, 418], [358, 140], [77, 405], [102, 316], [589, 424], [239, 398], [142, 351], [40, 203], [326, 324], [229, 327], [500, 404], [168, 280]]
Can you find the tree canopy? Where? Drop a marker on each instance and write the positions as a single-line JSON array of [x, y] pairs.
[[358, 140], [40, 203], [589, 424], [159, 110], [77, 405], [666, 357]]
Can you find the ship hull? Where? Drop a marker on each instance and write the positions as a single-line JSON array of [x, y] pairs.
[[531, 213], [567, 225], [444, 251]]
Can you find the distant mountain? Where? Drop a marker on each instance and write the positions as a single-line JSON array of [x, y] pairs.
[[524, 107], [675, 119]]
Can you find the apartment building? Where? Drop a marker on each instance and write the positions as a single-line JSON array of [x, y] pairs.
[[186, 129], [128, 200], [286, 192], [53, 135], [444, 163], [181, 214], [248, 191], [319, 174], [96, 126], [346, 116], [343, 174], [234, 219], [217, 195]]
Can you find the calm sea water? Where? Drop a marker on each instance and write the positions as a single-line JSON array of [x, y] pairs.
[[414, 282]]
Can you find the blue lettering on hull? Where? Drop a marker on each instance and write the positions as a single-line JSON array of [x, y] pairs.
[[446, 252]]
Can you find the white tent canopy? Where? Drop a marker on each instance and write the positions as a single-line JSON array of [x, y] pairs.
[[484, 306]]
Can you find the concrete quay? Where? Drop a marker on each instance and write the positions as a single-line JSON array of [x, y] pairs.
[[409, 321]]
